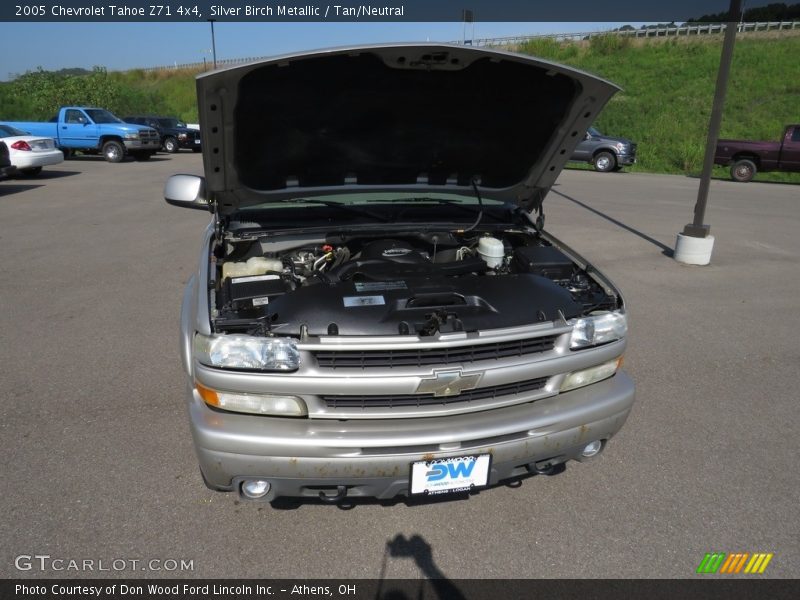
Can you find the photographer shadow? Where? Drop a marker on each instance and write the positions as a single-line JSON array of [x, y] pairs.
[[436, 583]]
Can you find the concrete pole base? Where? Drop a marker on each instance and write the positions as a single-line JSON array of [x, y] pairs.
[[693, 250]]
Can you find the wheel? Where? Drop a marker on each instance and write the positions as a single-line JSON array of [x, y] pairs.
[[66, 152], [113, 151], [743, 170], [31, 172], [171, 145], [605, 162], [196, 149], [141, 155]]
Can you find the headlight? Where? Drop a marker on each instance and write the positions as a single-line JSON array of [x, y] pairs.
[[131, 136], [621, 147], [598, 328], [181, 136], [245, 352], [258, 404], [591, 375]]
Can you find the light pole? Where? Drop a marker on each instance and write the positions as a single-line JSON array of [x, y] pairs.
[[213, 43], [694, 245], [467, 16]]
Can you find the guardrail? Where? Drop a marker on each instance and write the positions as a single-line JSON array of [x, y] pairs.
[[678, 30], [687, 29]]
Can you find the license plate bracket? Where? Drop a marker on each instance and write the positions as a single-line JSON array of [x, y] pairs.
[[449, 475]]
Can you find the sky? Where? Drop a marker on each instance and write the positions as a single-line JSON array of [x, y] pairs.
[[122, 46]]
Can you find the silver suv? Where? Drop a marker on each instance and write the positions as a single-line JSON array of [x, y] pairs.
[[378, 310]]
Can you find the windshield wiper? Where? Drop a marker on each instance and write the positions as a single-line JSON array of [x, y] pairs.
[[338, 205], [455, 203]]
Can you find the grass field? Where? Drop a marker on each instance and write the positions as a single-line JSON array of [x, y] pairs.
[[668, 86]]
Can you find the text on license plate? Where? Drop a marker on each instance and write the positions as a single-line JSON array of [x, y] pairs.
[[457, 474]]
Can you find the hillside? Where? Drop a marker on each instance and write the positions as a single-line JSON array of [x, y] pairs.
[[668, 85]]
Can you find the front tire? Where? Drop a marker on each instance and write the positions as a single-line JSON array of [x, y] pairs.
[[743, 170], [605, 162], [113, 151], [171, 145]]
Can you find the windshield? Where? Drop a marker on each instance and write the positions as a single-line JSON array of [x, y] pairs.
[[98, 115], [8, 131], [594, 132], [377, 198], [171, 123]]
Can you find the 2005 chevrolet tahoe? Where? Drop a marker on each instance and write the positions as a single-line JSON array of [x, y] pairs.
[[378, 310]]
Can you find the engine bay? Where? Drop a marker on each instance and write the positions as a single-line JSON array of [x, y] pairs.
[[407, 283]]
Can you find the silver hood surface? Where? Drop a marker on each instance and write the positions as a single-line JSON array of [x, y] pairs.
[[401, 117]]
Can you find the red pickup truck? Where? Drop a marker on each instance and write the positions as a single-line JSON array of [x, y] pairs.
[[747, 158]]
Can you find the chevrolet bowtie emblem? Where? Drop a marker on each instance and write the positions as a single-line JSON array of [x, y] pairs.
[[448, 383]]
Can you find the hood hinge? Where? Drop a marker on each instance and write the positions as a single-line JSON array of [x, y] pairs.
[[535, 203], [218, 229]]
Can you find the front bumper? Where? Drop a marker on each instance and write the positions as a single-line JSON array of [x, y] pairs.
[[138, 145], [189, 143], [301, 457], [626, 159]]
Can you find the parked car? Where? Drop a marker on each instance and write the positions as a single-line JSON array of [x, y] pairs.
[[605, 153], [174, 133], [748, 158], [5, 162], [95, 131], [378, 309], [29, 153]]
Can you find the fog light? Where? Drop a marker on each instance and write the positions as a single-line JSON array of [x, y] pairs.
[[255, 488], [592, 449]]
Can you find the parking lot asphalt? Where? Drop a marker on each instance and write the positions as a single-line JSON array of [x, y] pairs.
[[98, 460]]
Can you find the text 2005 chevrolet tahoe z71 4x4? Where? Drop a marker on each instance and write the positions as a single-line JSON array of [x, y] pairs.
[[378, 310]]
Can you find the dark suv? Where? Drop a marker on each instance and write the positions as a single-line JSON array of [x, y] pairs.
[[174, 132]]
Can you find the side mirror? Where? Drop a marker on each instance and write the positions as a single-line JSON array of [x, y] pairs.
[[188, 191], [588, 136]]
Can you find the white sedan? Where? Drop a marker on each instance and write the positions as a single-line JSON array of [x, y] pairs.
[[29, 153]]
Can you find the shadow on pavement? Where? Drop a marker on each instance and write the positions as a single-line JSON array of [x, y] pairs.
[[416, 548], [665, 250], [9, 189], [79, 158], [46, 174], [726, 178]]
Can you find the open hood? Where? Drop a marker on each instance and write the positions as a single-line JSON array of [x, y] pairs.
[[407, 117]]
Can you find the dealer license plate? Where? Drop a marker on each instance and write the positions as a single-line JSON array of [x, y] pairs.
[[457, 474]]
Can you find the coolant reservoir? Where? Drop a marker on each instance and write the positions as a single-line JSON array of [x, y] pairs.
[[491, 250], [258, 265]]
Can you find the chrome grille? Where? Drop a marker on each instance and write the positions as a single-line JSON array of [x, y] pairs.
[[365, 359], [417, 400]]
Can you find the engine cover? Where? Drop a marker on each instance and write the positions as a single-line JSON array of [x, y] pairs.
[[420, 305]]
